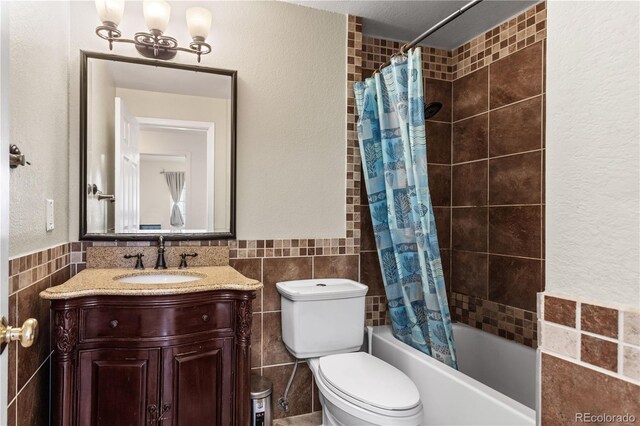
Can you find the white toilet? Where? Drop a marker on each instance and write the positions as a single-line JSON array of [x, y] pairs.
[[322, 322]]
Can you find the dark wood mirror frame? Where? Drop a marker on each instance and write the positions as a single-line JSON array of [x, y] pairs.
[[84, 60]]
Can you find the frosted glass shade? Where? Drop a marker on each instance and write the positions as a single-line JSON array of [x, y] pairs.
[[199, 22], [110, 11], [156, 14]]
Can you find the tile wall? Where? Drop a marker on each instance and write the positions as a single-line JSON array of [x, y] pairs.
[[497, 191], [485, 158], [28, 392], [590, 360], [517, 33]]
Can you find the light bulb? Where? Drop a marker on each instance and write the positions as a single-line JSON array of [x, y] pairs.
[[110, 11], [156, 14], [199, 22]]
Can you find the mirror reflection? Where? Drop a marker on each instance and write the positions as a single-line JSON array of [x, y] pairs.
[[158, 149]]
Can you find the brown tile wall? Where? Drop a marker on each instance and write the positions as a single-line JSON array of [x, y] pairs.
[[485, 157], [590, 360], [570, 390], [502, 320], [28, 392], [513, 35], [603, 337], [497, 188]]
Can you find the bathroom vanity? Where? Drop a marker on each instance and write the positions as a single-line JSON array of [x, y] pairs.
[[160, 354]]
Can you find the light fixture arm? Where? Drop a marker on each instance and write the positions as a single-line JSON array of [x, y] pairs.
[[153, 43]]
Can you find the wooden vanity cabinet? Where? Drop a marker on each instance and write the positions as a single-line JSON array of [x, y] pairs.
[[171, 360]]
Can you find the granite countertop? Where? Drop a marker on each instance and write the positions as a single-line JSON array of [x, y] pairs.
[[95, 281]]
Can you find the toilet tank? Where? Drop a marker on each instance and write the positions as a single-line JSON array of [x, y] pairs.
[[322, 316]]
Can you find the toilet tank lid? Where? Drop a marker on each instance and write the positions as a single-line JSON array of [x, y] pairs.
[[321, 289]]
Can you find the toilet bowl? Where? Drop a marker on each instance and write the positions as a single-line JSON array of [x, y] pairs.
[[358, 388], [322, 322]]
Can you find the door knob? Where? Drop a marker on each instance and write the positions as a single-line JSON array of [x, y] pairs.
[[26, 334]]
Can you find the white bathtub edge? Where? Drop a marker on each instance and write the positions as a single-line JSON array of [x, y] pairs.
[[526, 415]]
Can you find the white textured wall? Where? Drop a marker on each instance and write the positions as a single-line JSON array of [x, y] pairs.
[[291, 64], [38, 108], [593, 157]]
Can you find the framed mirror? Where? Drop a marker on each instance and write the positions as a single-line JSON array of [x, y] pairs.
[[157, 149]]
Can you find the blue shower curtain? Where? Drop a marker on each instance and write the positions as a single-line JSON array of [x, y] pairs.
[[391, 132]]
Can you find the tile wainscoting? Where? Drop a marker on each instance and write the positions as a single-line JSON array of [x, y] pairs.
[[29, 367], [280, 260], [590, 360]]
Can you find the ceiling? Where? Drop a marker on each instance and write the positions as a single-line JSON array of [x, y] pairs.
[[406, 20]]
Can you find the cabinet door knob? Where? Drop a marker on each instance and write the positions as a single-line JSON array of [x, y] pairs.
[[113, 324], [205, 318]]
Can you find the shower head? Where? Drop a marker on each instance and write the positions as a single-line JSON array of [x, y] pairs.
[[431, 109]]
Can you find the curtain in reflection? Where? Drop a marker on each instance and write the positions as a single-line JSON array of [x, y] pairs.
[[175, 180], [391, 132]]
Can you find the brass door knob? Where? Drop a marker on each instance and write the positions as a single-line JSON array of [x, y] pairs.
[[26, 334]]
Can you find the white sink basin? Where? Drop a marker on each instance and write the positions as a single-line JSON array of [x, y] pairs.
[[159, 278]]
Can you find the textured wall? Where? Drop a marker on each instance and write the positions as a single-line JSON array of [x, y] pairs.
[[291, 109], [593, 157], [39, 41]]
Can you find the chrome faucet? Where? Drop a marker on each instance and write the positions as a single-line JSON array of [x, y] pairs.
[[160, 262]]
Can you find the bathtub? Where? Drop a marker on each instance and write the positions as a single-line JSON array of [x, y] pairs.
[[495, 384]]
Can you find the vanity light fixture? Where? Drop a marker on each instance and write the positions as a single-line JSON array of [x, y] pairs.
[[154, 44]]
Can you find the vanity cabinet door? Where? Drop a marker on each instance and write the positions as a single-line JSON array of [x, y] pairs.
[[198, 384], [118, 387]]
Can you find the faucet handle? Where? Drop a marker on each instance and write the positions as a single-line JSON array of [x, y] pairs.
[[183, 259], [138, 257]]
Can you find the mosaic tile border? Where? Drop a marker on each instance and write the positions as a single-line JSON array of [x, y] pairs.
[[505, 321], [511, 36], [354, 74], [436, 63], [501, 320], [33, 267], [595, 336], [238, 249], [376, 311]]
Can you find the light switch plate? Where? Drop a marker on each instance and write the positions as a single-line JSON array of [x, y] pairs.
[[50, 225]]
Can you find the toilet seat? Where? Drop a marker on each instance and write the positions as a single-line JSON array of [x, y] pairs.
[[369, 383]]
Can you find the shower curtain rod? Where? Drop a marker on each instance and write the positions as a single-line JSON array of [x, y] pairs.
[[432, 30]]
